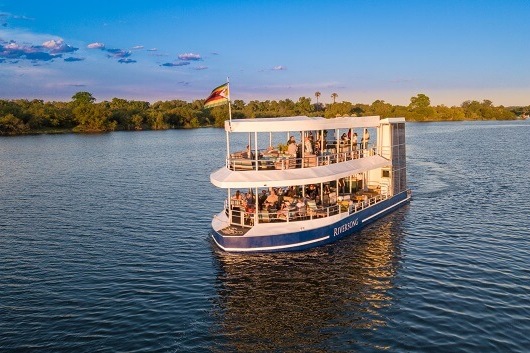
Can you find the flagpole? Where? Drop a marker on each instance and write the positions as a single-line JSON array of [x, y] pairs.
[[229, 104]]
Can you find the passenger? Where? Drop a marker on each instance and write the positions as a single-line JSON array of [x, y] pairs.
[[291, 147], [271, 201], [237, 200], [237, 195], [248, 153], [300, 204], [366, 139], [284, 209], [291, 192], [312, 192], [308, 146], [354, 141], [249, 199], [262, 198]]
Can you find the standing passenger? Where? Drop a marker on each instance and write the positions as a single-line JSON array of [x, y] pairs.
[[366, 138], [291, 147]]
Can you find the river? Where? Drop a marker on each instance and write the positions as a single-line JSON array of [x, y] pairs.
[[104, 247]]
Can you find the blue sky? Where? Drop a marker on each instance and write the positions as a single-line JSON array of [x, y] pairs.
[[362, 50]]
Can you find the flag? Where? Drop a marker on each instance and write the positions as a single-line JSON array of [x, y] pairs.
[[219, 95]]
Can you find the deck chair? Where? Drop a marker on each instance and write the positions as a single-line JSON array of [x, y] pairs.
[[264, 217], [315, 211]]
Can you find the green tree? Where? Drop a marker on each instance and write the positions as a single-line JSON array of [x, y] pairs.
[[334, 96], [303, 106], [93, 118], [83, 97], [156, 121], [420, 108], [381, 108], [11, 125]]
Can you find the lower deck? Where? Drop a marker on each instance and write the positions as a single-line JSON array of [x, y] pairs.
[[241, 220], [300, 234]]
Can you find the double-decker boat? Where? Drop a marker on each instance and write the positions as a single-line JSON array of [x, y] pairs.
[[329, 181]]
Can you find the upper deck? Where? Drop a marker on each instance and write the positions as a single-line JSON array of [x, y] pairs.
[[262, 165]]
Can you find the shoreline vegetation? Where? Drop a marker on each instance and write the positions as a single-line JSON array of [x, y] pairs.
[[83, 115]]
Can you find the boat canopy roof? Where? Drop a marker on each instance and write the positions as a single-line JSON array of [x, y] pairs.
[[226, 178], [300, 123]]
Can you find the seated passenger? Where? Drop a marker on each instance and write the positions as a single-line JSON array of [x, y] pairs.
[[283, 211], [271, 200], [262, 198]]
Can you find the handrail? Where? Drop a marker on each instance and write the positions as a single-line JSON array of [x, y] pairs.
[[249, 219], [284, 161]]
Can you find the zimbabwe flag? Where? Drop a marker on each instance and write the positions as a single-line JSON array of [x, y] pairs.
[[219, 95]]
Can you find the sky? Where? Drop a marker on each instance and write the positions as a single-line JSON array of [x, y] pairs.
[[452, 50]]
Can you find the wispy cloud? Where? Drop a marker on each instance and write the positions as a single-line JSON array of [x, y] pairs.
[[96, 45], [279, 68], [73, 59], [201, 68], [115, 53], [118, 53], [190, 57], [182, 63], [5, 16], [152, 49], [126, 61], [137, 47]]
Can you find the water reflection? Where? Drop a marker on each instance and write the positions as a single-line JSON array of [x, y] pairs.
[[315, 300]]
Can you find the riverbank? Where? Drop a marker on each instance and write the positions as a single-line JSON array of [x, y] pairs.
[[82, 114]]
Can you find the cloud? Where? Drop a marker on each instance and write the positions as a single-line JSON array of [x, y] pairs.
[[4, 16], [96, 45], [152, 49], [279, 68], [175, 64], [201, 67], [58, 46], [190, 57], [118, 53], [126, 61], [137, 47], [72, 59], [46, 52]]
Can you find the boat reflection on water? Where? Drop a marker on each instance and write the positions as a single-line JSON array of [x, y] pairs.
[[308, 301]]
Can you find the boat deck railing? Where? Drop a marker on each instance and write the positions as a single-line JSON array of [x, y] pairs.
[[281, 161], [249, 219]]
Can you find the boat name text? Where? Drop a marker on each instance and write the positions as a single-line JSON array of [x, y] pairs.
[[345, 227]]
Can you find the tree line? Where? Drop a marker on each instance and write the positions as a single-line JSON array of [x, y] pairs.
[[82, 114]]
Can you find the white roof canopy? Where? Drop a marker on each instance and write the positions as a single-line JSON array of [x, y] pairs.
[[300, 123], [226, 178]]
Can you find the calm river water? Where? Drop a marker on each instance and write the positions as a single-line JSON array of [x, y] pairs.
[[104, 248]]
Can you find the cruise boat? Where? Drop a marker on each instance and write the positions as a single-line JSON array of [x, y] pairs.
[[332, 178]]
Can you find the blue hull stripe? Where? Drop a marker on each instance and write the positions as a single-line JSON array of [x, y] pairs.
[[270, 248]]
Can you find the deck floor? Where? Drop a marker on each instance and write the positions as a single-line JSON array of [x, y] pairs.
[[234, 230]]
